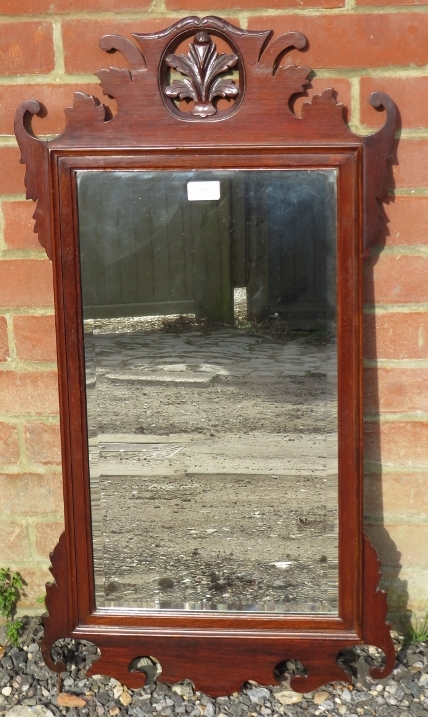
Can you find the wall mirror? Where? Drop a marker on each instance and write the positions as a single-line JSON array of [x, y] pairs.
[[207, 246]]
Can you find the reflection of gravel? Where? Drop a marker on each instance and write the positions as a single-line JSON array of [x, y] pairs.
[[27, 682], [229, 404], [250, 422], [189, 553]]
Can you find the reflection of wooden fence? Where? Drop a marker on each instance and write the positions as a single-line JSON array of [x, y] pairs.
[[145, 249], [291, 236]]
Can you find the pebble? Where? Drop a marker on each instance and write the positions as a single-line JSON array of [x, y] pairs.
[[30, 689], [125, 698], [320, 697], [166, 583], [26, 711], [288, 697], [67, 700]]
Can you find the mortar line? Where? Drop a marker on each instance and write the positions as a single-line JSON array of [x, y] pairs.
[[13, 198], [154, 12], [376, 468], [395, 308], [10, 337], [407, 417], [413, 364], [355, 102], [7, 140], [404, 192], [391, 519], [401, 250], [3, 245], [31, 539], [243, 21], [13, 254], [58, 47], [22, 446], [15, 419], [19, 366], [46, 518], [15, 471]]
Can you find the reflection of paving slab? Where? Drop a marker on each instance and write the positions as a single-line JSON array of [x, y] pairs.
[[256, 453], [164, 377]]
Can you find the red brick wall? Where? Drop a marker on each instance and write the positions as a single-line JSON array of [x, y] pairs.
[[48, 49]]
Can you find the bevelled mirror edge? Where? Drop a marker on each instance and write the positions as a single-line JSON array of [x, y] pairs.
[[69, 601]]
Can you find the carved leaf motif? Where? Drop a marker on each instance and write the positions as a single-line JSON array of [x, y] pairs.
[[85, 107], [222, 88], [35, 156], [201, 66], [112, 78], [182, 89], [378, 151], [117, 43]]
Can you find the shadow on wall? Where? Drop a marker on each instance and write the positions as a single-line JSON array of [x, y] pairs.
[[376, 477]]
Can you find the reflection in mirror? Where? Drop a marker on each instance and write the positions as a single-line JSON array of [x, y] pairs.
[[211, 371]]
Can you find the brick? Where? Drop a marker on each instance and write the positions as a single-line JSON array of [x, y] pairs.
[[200, 5], [26, 47], [411, 168], [29, 393], [19, 225], [14, 543], [402, 495], [401, 443], [26, 283], [12, 172], [55, 98], [80, 40], [46, 537], [400, 544], [17, 7], [35, 588], [408, 221], [355, 41], [396, 279], [35, 338], [9, 448], [381, 3], [395, 390], [409, 93], [396, 336], [30, 494], [4, 342], [342, 88], [407, 588], [43, 443]]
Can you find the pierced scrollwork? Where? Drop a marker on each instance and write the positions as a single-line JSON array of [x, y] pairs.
[[202, 69]]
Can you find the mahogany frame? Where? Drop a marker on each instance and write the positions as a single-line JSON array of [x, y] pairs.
[[219, 652]]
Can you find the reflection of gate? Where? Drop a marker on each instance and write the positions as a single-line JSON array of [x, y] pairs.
[[291, 234], [146, 250]]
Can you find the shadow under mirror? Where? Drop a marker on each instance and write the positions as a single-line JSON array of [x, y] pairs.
[[209, 309]]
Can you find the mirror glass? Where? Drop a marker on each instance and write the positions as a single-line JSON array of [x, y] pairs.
[[209, 311]]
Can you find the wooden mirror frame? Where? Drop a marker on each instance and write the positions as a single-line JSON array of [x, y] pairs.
[[258, 129]]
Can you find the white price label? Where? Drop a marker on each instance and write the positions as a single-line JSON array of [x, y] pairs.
[[198, 191]]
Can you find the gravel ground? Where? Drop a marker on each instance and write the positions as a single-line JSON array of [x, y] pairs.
[[29, 689]]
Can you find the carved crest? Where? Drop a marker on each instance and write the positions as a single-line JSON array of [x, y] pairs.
[[203, 69]]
